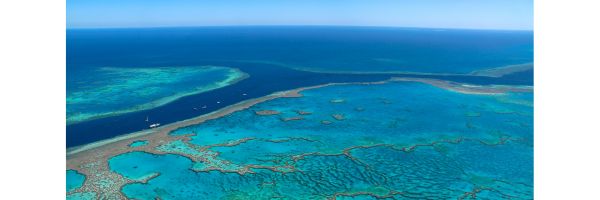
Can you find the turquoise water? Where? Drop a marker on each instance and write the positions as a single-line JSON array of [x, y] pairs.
[[74, 180], [138, 143], [112, 91], [396, 140], [82, 196], [139, 166]]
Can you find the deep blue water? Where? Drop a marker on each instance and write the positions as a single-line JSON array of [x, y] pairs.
[[315, 48]]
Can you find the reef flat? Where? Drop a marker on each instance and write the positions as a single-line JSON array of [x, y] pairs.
[[113, 91], [467, 88], [502, 71], [495, 72], [402, 138]]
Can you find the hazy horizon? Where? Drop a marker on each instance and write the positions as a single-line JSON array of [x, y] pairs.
[[285, 25], [460, 14]]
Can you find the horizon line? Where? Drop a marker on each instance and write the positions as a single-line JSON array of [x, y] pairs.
[[307, 25]]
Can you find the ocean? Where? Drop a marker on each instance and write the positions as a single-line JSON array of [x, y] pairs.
[[281, 58], [418, 113]]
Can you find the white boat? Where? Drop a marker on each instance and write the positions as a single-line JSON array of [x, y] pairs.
[[154, 125]]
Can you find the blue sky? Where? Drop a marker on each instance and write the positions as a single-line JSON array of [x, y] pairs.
[[471, 14]]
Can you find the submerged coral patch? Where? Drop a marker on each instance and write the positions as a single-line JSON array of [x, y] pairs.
[[82, 196], [113, 91]]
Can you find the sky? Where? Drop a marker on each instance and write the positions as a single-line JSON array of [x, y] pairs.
[[468, 14]]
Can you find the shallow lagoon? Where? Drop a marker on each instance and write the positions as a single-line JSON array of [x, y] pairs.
[[402, 140], [138, 143], [113, 91], [74, 180]]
